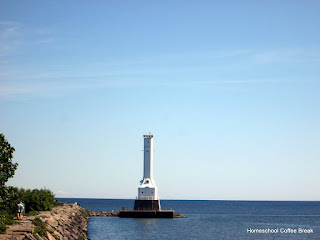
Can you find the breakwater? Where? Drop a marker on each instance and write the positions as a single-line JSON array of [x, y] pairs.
[[68, 221], [103, 214]]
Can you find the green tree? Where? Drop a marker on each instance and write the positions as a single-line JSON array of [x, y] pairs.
[[7, 169]]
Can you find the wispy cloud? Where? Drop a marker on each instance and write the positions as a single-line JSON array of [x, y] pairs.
[[176, 69], [14, 36], [43, 35], [45, 40], [292, 55], [9, 91], [10, 37], [38, 88], [56, 88]]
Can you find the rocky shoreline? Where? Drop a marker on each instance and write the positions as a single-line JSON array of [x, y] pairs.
[[68, 221]]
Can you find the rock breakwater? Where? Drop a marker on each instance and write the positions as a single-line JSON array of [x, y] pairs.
[[103, 214], [64, 222]]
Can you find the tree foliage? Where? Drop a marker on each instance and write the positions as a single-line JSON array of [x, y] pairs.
[[7, 169], [35, 200]]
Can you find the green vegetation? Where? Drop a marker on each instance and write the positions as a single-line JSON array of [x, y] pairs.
[[84, 212], [3, 226], [83, 237], [35, 200], [32, 213], [7, 170], [40, 228], [42, 232], [6, 219]]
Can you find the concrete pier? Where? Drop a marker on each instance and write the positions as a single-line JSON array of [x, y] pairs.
[[137, 214]]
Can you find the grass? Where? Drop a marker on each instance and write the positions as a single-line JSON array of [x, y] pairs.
[[38, 222], [84, 212], [83, 237], [32, 213], [6, 219], [42, 232], [41, 227]]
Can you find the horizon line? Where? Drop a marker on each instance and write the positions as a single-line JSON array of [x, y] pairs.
[[193, 199]]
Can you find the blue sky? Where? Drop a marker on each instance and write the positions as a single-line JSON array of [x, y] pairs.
[[230, 91]]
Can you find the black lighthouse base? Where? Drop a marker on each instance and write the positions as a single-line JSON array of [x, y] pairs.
[[147, 205], [147, 209]]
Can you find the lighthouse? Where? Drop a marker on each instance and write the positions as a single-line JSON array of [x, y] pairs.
[[147, 191], [147, 204]]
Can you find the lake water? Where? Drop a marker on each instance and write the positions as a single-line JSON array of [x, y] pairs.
[[207, 220]]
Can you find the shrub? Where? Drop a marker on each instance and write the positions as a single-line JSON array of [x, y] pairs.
[[84, 212], [41, 200], [2, 224], [38, 222], [6, 219], [35, 200], [58, 203], [32, 213], [7, 170], [42, 232], [41, 227]]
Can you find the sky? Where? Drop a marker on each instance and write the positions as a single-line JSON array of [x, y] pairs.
[[229, 89]]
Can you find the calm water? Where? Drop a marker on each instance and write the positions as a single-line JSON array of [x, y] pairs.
[[206, 220]]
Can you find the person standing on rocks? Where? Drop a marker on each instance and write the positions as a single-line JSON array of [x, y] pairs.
[[20, 210]]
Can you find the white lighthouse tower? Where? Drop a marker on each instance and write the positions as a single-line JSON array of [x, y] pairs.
[[147, 191]]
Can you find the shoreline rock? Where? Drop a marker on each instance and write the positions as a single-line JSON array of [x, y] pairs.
[[68, 221]]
